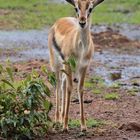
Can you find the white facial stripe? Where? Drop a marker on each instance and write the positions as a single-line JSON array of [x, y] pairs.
[[88, 10]]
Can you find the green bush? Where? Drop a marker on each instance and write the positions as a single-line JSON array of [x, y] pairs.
[[24, 106]]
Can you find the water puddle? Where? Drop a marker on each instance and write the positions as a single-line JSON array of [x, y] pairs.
[[23, 45], [118, 68], [17, 39]]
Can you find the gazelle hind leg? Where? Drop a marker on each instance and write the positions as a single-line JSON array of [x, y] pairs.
[[82, 73], [58, 90], [68, 95]]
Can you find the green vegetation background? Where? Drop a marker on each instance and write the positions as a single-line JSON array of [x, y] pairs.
[[35, 14]]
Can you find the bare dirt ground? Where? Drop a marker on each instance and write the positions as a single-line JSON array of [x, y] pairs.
[[121, 116]]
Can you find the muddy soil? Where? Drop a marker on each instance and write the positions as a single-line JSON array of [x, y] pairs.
[[115, 54]]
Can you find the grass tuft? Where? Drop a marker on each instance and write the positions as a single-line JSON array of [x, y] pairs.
[[97, 91], [90, 123], [111, 96]]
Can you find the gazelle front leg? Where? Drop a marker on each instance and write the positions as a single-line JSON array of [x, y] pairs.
[[63, 90], [68, 95], [82, 73]]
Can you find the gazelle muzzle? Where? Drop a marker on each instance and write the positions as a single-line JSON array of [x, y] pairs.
[[82, 22]]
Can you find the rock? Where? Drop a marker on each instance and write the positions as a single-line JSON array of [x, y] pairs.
[[136, 82], [115, 75], [130, 126]]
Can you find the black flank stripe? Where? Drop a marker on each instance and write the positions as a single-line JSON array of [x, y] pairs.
[[58, 48]]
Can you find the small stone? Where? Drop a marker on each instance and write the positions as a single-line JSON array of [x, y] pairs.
[[136, 84], [75, 101], [115, 75], [88, 101]]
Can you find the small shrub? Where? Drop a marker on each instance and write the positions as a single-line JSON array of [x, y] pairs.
[[24, 106]]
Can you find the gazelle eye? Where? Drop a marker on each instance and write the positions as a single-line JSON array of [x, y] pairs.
[[90, 10], [76, 9]]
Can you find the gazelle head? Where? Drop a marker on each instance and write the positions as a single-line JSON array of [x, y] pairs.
[[83, 9]]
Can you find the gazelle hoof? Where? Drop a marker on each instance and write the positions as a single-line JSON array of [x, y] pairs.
[[65, 130], [83, 129]]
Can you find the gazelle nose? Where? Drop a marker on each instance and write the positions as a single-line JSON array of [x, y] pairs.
[[82, 18]]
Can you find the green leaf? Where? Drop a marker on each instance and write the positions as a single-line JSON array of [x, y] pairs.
[[10, 73], [35, 73], [52, 79], [47, 91], [8, 83], [44, 69], [29, 78], [72, 62], [47, 105], [1, 69]]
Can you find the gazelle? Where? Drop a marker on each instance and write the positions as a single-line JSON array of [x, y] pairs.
[[68, 37]]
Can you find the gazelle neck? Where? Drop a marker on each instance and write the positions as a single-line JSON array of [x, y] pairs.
[[85, 33]]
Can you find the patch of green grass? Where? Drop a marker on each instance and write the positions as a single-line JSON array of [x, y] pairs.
[[97, 91], [94, 82], [74, 123], [94, 123], [111, 96], [34, 14], [133, 92], [90, 123], [88, 84], [23, 14], [98, 81], [115, 86]]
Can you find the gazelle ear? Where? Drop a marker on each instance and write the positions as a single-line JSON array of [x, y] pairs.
[[71, 2], [97, 2]]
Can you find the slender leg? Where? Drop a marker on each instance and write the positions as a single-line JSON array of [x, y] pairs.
[[82, 73], [68, 91], [57, 111], [63, 90]]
